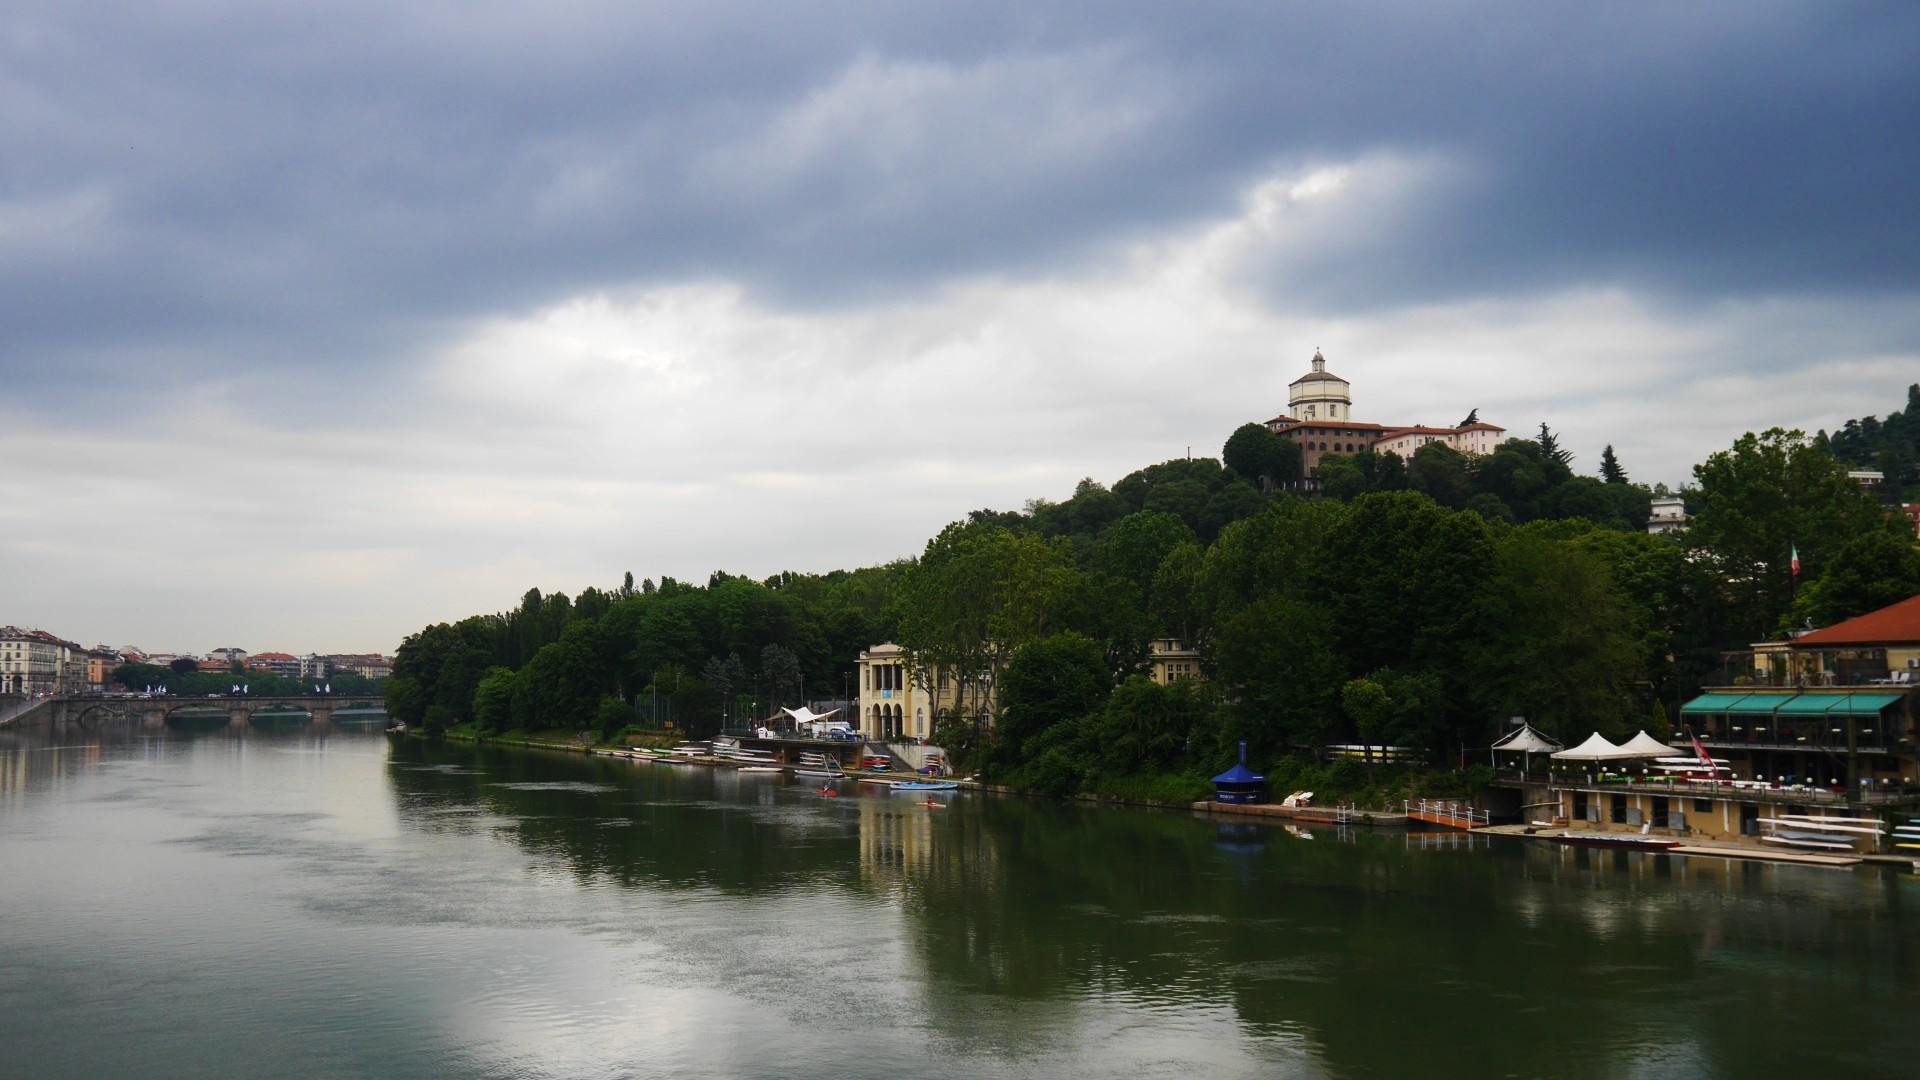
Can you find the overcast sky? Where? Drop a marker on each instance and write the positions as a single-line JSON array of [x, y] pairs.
[[320, 322]]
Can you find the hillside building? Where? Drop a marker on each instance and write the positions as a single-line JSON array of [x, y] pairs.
[[1319, 419]]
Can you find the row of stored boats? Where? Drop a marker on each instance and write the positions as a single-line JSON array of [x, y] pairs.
[[727, 754], [1805, 832]]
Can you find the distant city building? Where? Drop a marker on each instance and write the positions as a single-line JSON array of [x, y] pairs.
[[1669, 514], [1320, 420], [229, 656], [1171, 658], [36, 662], [278, 663], [101, 660], [365, 665]]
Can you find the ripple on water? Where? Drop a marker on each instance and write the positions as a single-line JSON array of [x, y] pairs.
[[583, 786]]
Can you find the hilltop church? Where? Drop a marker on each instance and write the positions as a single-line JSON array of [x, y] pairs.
[[1320, 419]]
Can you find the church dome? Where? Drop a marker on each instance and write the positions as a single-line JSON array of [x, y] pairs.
[[1320, 394]]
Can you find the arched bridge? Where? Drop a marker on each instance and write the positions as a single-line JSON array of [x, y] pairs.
[[82, 708]]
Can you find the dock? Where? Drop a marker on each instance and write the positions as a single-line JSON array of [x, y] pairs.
[[1714, 849], [1305, 815], [1446, 814]]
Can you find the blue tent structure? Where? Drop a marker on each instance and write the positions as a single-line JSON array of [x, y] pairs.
[[1240, 784]]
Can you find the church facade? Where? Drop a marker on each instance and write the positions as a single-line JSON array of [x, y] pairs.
[[1320, 419]]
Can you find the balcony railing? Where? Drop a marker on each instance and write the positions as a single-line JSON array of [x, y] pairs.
[[1748, 680], [1740, 790]]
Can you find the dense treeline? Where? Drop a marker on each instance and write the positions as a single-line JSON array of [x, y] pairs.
[[1418, 603], [1891, 446], [681, 653]]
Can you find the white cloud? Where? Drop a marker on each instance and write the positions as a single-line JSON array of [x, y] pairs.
[[685, 427]]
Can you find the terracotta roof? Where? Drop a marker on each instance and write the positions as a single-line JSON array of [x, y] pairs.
[[1317, 376], [1899, 624], [1397, 432]]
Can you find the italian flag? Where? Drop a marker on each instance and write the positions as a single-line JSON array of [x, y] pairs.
[[1796, 560]]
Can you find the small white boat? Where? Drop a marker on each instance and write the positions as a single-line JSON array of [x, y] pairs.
[[1856, 826], [911, 786], [1802, 840], [758, 769]]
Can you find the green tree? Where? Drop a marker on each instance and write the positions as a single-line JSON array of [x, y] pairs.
[[1278, 666], [1054, 680], [1399, 575], [1758, 502], [1550, 446], [977, 594], [1869, 572], [493, 700], [1137, 544], [1348, 476], [1268, 555], [1443, 474], [1144, 725], [1366, 704], [1610, 470], [1257, 454], [1554, 641]]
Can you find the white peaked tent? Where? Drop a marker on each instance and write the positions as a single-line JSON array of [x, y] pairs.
[[1644, 745], [804, 715], [1595, 749], [1527, 741]]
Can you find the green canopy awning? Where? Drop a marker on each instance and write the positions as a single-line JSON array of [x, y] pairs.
[[1807, 705], [1813, 703], [1713, 703], [1864, 704], [1766, 704]]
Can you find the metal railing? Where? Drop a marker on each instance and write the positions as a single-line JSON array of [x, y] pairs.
[[1740, 791], [1447, 812]]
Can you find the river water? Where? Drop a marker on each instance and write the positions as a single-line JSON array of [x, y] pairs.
[[325, 902]]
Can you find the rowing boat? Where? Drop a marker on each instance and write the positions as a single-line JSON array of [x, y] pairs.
[[1615, 840], [1805, 840]]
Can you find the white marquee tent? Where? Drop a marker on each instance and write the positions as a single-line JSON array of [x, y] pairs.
[[1644, 745], [1527, 741], [1597, 749]]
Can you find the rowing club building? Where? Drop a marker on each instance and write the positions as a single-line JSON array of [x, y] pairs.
[[1821, 724]]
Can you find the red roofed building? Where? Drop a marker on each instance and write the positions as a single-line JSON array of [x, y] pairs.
[[1880, 645], [1320, 419], [277, 662]]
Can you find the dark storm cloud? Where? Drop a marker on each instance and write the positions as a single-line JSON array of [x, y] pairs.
[[190, 190]]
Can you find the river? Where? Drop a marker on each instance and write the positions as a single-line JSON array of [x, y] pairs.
[[325, 902]]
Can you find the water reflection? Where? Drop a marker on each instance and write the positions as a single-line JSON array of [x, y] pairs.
[[1309, 944], [503, 912]]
